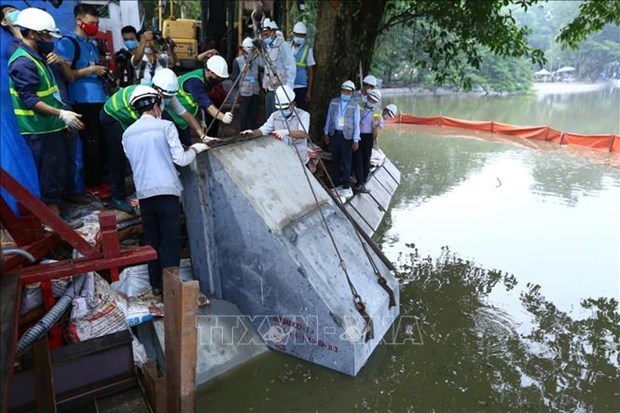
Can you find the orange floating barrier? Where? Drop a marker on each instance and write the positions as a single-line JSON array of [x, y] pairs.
[[609, 143]]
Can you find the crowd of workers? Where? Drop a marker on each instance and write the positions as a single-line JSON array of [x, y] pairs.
[[77, 132]]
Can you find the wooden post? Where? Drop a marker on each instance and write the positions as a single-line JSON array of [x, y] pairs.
[[155, 387], [181, 335], [44, 381]]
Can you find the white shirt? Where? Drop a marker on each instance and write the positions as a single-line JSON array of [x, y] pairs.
[[153, 148], [161, 62]]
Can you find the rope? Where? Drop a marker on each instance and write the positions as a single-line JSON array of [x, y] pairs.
[[359, 304]]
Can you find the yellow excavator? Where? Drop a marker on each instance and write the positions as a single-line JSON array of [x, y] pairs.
[[222, 25]]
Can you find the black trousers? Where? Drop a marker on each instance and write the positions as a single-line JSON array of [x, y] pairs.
[[50, 157], [117, 161], [94, 153], [248, 112], [300, 98], [361, 159], [342, 152], [161, 229]]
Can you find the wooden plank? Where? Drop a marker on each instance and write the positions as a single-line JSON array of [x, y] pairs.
[[392, 170], [43, 379], [155, 387], [181, 335], [368, 209], [386, 180], [359, 220], [10, 294], [379, 193]]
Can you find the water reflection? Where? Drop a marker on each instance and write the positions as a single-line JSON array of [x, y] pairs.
[[457, 353]]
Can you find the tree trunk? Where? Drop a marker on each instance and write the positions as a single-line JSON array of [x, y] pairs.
[[346, 31]]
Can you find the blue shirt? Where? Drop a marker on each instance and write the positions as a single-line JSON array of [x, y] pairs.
[[25, 76], [199, 91], [341, 111], [367, 120], [87, 89]]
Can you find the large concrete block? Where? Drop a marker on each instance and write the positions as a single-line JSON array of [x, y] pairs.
[[258, 238]]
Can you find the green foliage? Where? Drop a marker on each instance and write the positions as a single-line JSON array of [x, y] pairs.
[[593, 16]]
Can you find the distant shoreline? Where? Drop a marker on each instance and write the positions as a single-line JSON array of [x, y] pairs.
[[537, 88]]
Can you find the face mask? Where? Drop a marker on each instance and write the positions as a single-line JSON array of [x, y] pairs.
[[268, 41], [247, 50], [131, 44], [368, 104], [345, 98], [148, 51], [286, 112], [45, 47], [90, 29], [12, 16], [299, 41], [167, 101]]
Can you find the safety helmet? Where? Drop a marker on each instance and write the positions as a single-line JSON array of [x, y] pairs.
[[247, 43], [348, 85], [266, 25], [166, 82], [273, 25], [371, 80], [392, 110], [217, 64], [38, 20], [300, 28], [284, 96], [375, 94], [143, 97]]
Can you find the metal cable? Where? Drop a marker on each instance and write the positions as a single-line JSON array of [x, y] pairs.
[[359, 303], [380, 279]]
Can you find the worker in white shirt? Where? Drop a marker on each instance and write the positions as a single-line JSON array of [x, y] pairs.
[[153, 149]]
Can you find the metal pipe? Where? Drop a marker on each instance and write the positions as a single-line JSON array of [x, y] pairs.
[[19, 251]]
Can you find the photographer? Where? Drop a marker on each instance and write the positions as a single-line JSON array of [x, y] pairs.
[[123, 69], [86, 92], [158, 54]]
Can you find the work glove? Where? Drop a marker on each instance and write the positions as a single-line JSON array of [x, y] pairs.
[[199, 147], [207, 139], [247, 132], [280, 134], [227, 118], [71, 119]]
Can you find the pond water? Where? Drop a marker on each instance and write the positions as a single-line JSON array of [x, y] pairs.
[[509, 261]]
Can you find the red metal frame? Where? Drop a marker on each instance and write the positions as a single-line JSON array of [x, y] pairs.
[[27, 232]]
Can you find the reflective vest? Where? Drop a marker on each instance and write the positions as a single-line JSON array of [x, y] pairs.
[[186, 99], [301, 57], [119, 108], [248, 85], [271, 80], [349, 117], [30, 121], [293, 124]]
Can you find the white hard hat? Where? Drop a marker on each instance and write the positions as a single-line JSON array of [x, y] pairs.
[[166, 81], [348, 85], [38, 20], [300, 28], [266, 24], [143, 97], [371, 80], [247, 43], [392, 109], [217, 64], [375, 94], [284, 96], [273, 25]]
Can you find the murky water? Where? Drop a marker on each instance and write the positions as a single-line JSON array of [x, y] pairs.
[[510, 272]]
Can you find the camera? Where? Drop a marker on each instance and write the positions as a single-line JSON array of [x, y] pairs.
[[165, 42], [121, 57], [109, 83]]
